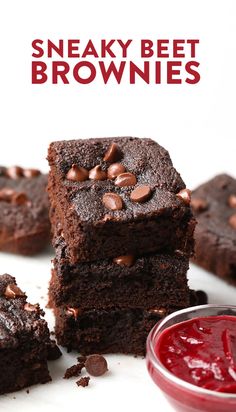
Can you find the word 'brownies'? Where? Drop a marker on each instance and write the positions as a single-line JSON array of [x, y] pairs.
[[123, 234]]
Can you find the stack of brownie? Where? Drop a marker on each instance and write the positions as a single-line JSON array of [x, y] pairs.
[[123, 234]]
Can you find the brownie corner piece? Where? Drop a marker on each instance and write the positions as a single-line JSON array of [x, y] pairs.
[[214, 206], [24, 211], [25, 344], [107, 189]]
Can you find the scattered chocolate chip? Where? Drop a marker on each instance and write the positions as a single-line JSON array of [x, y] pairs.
[[185, 196], [232, 201], [140, 194], [96, 365], [54, 352], [32, 308], [74, 370], [73, 312], [27, 391], [6, 194], [112, 154], [12, 291], [114, 170], [202, 297], [125, 179], [97, 173], [14, 172], [31, 173], [112, 201], [126, 260], [199, 205], [19, 198], [232, 221], [160, 312], [77, 174], [83, 381]]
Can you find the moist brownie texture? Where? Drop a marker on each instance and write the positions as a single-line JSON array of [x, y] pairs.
[[214, 205], [125, 282], [24, 220], [106, 331], [103, 213], [25, 344]]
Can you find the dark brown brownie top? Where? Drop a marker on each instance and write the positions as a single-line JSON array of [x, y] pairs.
[[19, 320], [23, 201], [148, 163], [214, 205]]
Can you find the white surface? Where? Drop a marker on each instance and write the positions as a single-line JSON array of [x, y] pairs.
[[195, 123]]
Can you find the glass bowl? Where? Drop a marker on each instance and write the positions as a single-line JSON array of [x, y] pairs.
[[184, 396]]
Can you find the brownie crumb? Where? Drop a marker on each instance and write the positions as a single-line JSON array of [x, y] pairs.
[[83, 381], [82, 359], [74, 370], [27, 391]]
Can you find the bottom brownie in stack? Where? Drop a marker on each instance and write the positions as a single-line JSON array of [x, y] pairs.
[[111, 305]]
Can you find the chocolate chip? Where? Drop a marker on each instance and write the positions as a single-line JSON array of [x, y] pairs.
[[160, 312], [6, 194], [199, 205], [14, 172], [232, 221], [112, 154], [84, 381], [202, 297], [96, 365], [112, 201], [31, 173], [73, 312], [20, 198], [185, 196], [232, 201], [97, 173], [125, 179], [114, 170], [77, 174], [32, 308], [12, 291], [126, 260], [140, 194]]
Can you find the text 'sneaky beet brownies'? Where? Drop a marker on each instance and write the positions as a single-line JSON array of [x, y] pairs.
[[24, 220], [214, 205], [25, 345], [123, 234]]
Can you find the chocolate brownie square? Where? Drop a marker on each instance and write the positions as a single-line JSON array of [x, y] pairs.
[[25, 344], [214, 205], [117, 196], [125, 281], [24, 220]]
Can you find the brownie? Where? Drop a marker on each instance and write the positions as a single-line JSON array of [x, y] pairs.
[[106, 330], [25, 344], [24, 220], [214, 205], [117, 196], [142, 282]]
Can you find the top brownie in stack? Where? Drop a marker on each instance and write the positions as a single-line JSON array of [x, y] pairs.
[[117, 196]]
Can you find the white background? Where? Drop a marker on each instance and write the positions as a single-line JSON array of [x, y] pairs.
[[195, 123]]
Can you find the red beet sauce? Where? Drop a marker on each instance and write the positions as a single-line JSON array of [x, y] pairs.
[[201, 351]]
